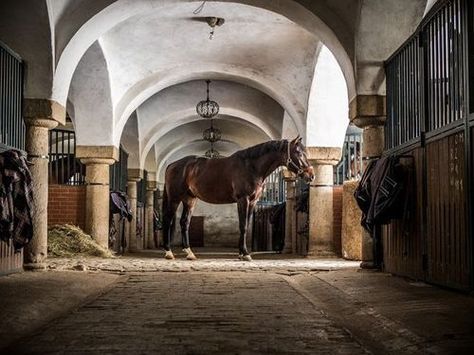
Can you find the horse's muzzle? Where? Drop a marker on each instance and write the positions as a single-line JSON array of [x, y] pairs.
[[308, 174]]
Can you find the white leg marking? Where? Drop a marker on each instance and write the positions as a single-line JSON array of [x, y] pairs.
[[169, 255], [189, 254]]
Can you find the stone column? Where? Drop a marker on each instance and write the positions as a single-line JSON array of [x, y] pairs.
[[159, 208], [321, 222], [290, 213], [150, 206], [40, 116], [97, 160], [134, 176], [369, 113]]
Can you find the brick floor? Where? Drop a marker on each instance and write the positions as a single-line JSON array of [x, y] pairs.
[[195, 313]]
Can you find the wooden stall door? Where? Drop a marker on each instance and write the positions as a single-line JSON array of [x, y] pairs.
[[448, 244]]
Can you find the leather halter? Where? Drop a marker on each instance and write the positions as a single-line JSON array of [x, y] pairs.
[[290, 161]]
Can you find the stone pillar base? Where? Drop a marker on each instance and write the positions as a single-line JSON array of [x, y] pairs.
[[35, 266]]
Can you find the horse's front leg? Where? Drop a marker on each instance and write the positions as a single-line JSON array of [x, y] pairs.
[[243, 208]]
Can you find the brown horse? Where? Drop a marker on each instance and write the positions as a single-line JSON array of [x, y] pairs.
[[237, 178]]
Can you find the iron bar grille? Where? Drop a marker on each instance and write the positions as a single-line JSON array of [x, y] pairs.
[[425, 78], [12, 126], [64, 167], [119, 173], [350, 167], [141, 188], [274, 191]]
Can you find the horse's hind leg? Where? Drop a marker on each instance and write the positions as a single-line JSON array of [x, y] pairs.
[[188, 207], [243, 208]]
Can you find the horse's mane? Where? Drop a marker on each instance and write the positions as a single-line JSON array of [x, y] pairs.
[[261, 149]]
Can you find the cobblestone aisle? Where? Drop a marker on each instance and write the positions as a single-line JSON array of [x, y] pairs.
[[195, 313]]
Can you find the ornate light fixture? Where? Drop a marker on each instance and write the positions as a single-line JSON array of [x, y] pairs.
[[207, 108], [212, 134], [212, 153]]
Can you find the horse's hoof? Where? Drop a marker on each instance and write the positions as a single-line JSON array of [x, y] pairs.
[[169, 255], [245, 257], [189, 254]]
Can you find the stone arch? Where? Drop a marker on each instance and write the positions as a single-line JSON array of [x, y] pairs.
[[121, 10], [100, 109], [150, 86], [242, 119]]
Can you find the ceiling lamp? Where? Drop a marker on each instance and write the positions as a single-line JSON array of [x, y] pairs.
[[207, 108], [212, 134], [212, 153], [213, 22]]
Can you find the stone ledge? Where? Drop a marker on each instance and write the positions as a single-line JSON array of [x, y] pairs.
[[151, 185], [368, 110], [44, 109], [97, 152], [324, 155], [135, 174]]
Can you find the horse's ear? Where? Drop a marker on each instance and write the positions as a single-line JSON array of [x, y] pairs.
[[296, 140]]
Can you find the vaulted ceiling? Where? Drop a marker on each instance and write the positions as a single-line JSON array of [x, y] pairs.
[[131, 72]]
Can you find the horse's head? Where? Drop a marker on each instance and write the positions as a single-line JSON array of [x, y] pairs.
[[297, 161]]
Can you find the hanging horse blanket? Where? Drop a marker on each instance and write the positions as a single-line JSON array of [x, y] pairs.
[[381, 192], [16, 199]]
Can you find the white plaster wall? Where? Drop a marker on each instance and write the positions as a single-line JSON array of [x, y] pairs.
[[289, 130], [90, 95], [130, 141], [383, 27], [26, 29], [221, 225], [328, 106]]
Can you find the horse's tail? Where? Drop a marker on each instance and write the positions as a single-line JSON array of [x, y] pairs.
[[165, 208]]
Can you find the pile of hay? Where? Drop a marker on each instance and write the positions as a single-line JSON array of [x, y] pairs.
[[67, 240]]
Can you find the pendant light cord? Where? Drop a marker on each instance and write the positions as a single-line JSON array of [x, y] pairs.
[[200, 7]]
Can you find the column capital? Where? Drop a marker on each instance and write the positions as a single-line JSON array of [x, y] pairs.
[[89, 161], [151, 185], [368, 110], [134, 174], [41, 123], [324, 155], [91, 153], [43, 110]]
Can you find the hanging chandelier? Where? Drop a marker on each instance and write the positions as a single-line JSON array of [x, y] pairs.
[[212, 153], [207, 108], [212, 134]]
